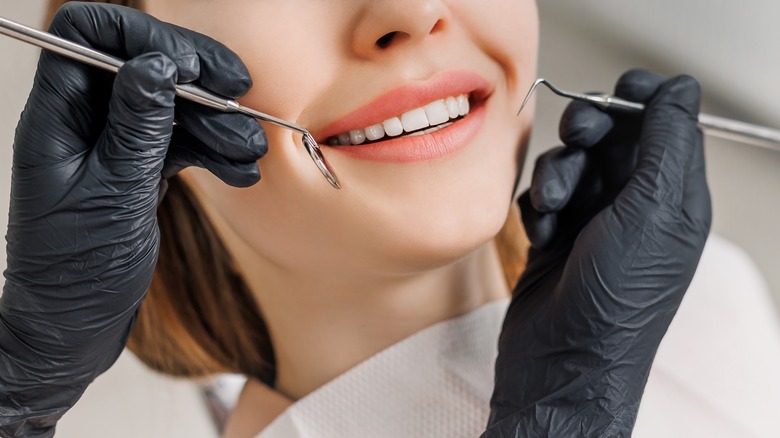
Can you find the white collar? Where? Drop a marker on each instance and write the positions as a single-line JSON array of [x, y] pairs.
[[435, 383]]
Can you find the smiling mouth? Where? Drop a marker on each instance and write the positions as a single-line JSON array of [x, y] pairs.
[[427, 119]]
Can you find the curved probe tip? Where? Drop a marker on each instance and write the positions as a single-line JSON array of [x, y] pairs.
[[530, 93]]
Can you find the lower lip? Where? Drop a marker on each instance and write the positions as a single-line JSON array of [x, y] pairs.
[[424, 147]]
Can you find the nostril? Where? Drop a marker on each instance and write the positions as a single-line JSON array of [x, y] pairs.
[[438, 26], [386, 40]]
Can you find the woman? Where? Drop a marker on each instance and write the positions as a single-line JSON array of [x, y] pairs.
[[294, 283]]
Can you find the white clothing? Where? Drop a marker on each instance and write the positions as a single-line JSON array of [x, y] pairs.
[[717, 371], [716, 374], [435, 383]]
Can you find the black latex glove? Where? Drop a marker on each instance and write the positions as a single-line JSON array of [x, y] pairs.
[[617, 220], [82, 235]]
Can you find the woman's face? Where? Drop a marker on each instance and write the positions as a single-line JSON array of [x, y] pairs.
[[335, 66]]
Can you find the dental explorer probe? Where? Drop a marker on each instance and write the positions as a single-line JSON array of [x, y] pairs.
[[717, 126], [190, 92]]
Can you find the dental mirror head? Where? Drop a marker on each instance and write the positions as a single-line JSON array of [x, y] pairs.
[[316, 154]]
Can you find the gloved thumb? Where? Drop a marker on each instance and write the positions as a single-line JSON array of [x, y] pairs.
[[140, 118]]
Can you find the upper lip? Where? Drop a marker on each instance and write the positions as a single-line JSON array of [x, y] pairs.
[[406, 98]]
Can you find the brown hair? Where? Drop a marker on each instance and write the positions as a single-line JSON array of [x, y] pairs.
[[199, 317]]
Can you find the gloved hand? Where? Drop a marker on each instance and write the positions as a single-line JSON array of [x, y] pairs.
[[617, 220], [82, 235]]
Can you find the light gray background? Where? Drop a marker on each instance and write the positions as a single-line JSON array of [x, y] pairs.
[[732, 47]]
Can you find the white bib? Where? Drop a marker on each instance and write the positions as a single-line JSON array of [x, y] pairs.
[[435, 383], [715, 375]]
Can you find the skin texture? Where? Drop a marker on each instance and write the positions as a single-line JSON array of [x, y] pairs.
[[340, 275]]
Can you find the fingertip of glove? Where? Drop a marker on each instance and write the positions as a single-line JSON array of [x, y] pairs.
[[259, 142], [546, 191], [548, 196], [69, 13], [159, 65], [241, 82], [539, 227], [226, 74], [242, 176], [238, 81], [61, 17], [221, 69], [255, 137], [185, 55], [583, 125], [638, 85], [146, 78], [556, 175], [683, 91], [189, 67]]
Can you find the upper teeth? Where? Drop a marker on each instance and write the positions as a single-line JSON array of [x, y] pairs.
[[433, 114]]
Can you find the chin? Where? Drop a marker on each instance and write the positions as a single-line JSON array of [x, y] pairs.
[[433, 239], [436, 217], [428, 249]]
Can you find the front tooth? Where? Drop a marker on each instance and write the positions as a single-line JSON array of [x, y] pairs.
[[414, 120], [357, 136], [375, 132], [437, 113], [452, 107], [463, 105], [393, 127]]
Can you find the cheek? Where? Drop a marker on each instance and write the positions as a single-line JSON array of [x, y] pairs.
[[508, 31], [286, 64], [279, 45]]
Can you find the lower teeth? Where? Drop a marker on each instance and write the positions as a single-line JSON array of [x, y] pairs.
[[411, 134], [429, 130]]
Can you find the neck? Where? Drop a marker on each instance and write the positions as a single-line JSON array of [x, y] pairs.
[[337, 324]]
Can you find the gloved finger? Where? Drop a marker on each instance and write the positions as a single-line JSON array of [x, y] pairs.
[[620, 156], [638, 85], [697, 204], [221, 69], [124, 33], [539, 227], [234, 136], [127, 33], [71, 98], [583, 125], [669, 136], [140, 119], [187, 150], [557, 174]]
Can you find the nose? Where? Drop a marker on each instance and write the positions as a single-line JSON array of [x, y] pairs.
[[386, 24]]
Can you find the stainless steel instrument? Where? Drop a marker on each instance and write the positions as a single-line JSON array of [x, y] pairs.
[[718, 126]]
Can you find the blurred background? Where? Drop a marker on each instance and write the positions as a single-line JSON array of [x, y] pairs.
[[733, 48]]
